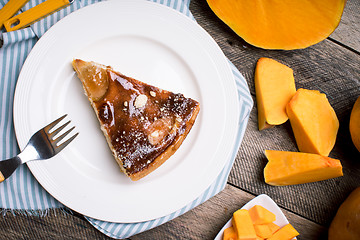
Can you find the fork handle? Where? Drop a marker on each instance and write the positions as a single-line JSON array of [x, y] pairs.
[[36, 13], [7, 167], [10, 9]]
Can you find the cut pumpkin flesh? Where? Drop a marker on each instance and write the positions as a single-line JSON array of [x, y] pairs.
[[260, 215], [243, 224], [290, 168], [275, 86], [230, 234], [286, 232], [314, 122], [279, 24]]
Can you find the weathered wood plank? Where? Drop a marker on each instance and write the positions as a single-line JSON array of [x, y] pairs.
[[327, 67], [348, 31], [55, 225], [206, 220]]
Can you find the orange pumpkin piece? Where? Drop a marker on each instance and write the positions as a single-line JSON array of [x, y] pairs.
[[346, 222], [280, 24], [275, 86], [243, 225], [230, 234], [354, 125], [314, 121], [263, 230], [289, 168], [260, 215], [285, 233], [273, 227]]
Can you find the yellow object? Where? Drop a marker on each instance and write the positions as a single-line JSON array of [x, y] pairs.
[[243, 225], [260, 215], [354, 125], [314, 121], [285, 233], [263, 230], [275, 86], [230, 234], [289, 168], [273, 227], [279, 24], [28, 17], [10, 9], [346, 223]]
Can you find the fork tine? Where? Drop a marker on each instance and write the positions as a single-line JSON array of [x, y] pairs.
[[59, 138], [51, 125], [56, 131], [64, 144]]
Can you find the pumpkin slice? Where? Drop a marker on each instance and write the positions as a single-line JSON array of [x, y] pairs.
[[314, 122], [280, 24], [260, 215], [275, 86], [230, 234], [286, 232], [243, 225], [263, 230], [273, 227], [290, 168]]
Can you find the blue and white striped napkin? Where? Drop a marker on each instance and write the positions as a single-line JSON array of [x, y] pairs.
[[21, 192]]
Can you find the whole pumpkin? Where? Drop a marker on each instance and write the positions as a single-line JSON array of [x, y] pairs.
[[346, 223], [280, 24], [354, 125]]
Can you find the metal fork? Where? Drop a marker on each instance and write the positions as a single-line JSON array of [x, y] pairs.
[[42, 145]]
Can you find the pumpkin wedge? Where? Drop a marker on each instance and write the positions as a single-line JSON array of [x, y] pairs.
[[273, 227], [286, 232], [279, 24], [230, 234], [290, 168], [314, 121], [260, 215], [263, 231], [243, 225], [274, 86]]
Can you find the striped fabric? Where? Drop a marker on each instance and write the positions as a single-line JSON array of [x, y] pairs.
[[21, 192]]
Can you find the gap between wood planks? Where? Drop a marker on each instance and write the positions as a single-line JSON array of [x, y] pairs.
[[343, 45]]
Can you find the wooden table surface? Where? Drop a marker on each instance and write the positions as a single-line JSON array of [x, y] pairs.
[[331, 66]]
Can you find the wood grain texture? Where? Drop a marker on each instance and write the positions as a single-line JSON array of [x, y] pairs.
[[206, 220], [348, 32], [55, 225], [327, 67]]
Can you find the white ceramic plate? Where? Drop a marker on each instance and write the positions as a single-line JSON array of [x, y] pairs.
[[156, 45], [265, 201]]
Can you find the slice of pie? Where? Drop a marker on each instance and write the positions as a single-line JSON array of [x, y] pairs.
[[143, 125]]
